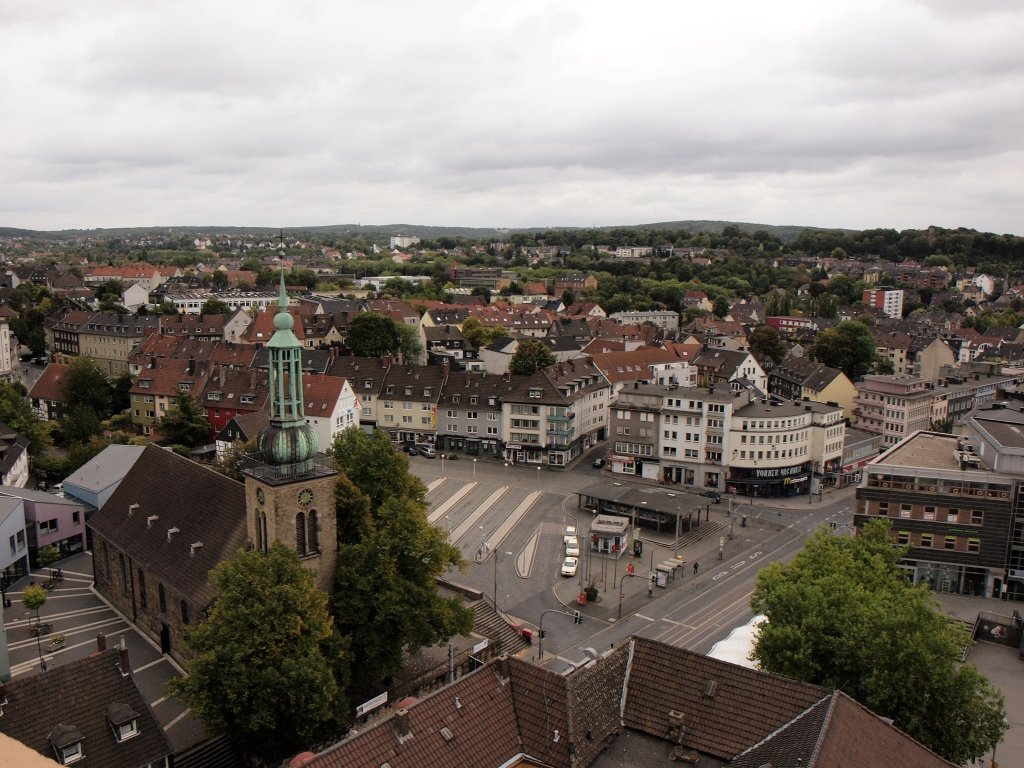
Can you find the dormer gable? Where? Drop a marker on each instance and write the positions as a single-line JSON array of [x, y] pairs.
[[123, 721], [68, 744]]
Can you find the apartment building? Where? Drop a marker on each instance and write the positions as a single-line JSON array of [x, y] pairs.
[[771, 449], [407, 404], [894, 406], [634, 427], [557, 413], [469, 413], [889, 300], [665, 319], [109, 339], [951, 509]]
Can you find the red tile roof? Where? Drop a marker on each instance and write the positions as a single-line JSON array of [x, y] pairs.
[[49, 386]]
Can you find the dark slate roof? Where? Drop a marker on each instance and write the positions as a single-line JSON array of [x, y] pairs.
[[246, 425], [837, 732], [77, 694], [482, 727], [745, 705], [203, 505], [313, 360]]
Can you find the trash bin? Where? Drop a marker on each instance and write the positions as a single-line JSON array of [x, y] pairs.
[[743, 523]]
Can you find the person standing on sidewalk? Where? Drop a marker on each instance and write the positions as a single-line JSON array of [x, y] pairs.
[[696, 566]]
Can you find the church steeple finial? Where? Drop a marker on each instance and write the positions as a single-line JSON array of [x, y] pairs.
[[288, 440]]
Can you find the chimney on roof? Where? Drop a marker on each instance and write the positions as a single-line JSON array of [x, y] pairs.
[[101, 642], [122, 658], [402, 724], [171, 532]]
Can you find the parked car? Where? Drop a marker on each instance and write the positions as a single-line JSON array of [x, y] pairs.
[[572, 547], [569, 566], [598, 462], [570, 533], [428, 452]]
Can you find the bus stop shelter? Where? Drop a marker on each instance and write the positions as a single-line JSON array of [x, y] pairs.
[[656, 509]]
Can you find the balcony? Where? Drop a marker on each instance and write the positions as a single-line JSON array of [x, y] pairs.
[[563, 417], [554, 431]]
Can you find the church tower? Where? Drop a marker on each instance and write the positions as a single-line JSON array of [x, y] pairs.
[[289, 490]]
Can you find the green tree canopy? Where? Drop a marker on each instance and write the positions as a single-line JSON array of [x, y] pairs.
[[374, 467], [386, 602], [263, 669], [85, 385], [479, 335], [530, 356], [765, 341], [842, 615], [185, 422], [215, 306], [371, 334], [79, 424], [34, 597], [17, 414], [721, 307], [848, 346]]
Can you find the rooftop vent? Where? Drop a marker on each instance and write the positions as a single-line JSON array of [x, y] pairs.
[[151, 519], [132, 508], [446, 733], [193, 547], [171, 532]]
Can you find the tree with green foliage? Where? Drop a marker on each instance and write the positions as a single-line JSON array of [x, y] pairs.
[[264, 667], [238, 455], [375, 467], [530, 356], [848, 346], [48, 555], [765, 341], [843, 615], [409, 344], [17, 414], [479, 335], [721, 307], [86, 385], [884, 365], [33, 598], [185, 422], [120, 393], [371, 334], [215, 306], [79, 424], [386, 602]]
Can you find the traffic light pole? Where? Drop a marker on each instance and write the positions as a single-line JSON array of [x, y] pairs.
[[577, 618]]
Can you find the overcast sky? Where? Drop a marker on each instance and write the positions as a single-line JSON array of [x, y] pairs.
[[858, 113]]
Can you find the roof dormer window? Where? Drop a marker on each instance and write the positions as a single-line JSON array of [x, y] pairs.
[[123, 720], [67, 742]]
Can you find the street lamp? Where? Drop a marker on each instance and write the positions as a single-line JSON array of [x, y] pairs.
[[621, 579], [538, 477], [474, 469], [495, 594], [442, 465]]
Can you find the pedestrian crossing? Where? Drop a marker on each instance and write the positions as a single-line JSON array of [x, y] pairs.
[[475, 513]]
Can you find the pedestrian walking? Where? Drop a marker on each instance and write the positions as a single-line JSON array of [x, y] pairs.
[[696, 566]]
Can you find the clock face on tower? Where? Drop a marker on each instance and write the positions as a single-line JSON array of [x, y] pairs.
[[260, 495], [305, 497]]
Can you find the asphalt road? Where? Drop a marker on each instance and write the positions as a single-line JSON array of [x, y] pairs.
[[515, 559]]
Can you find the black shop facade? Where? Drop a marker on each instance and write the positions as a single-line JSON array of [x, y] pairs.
[[770, 482]]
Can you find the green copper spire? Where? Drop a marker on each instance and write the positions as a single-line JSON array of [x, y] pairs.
[[288, 439]]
